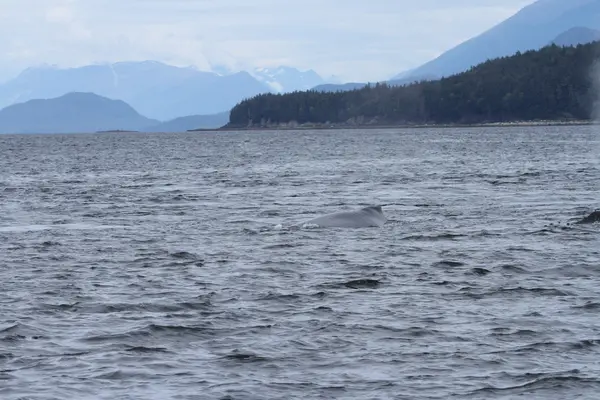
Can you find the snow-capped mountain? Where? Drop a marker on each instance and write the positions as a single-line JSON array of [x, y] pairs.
[[287, 79], [157, 90]]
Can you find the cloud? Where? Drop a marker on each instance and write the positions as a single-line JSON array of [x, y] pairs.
[[355, 39]]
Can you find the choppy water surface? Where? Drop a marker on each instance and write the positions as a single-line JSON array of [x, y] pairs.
[[138, 266]]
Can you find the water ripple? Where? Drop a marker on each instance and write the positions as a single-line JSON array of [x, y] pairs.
[[157, 266]]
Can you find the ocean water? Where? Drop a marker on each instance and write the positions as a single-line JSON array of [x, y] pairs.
[[149, 266]]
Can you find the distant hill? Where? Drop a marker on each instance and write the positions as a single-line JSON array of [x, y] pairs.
[[154, 89], [201, 95], [192, 122], [577, 35], [554, 83], [71, 113], [330, 87], [531, 28], [411, 79], [355, 85]]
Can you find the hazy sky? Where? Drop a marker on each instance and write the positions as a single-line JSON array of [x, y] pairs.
[[354, 39]]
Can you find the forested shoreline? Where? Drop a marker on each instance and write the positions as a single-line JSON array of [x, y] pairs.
[[551, 84]]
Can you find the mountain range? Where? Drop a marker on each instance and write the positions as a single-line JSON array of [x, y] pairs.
[[79, 112], [286, 79], [562, 22], [165, 97], [154, 89], [329, 87], [191, 122], [550, 84], [531, 28]]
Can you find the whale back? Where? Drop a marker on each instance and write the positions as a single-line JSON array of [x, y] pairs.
[[590, 219], [377, 209], [366, 217]]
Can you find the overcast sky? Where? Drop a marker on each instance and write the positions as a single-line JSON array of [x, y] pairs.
[[355, 39]]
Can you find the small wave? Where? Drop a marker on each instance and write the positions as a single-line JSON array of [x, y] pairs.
[[269, 213], [245, 357], [137, 186], [130, 307], [410, 332], [110, 338], [584, 344], [537, 291], [498, 182], [549, 346], [518, 291], [18, 331], [448, 263], [13, 338], [197, 305], [589, 306], [60, 306], [507, 332], [363, 284], [550, 383], [520, 248], [143, 349], [180, 264], [156, 328], [152, 330], [486, 234], [239, 221], [444, 283], [184, 255], [50, 243], [509, 176], [95, 214], [120, 375], [307, 225], [144, 240], [481, 271], [549, 230], [283, 246], [280, 297], [513, 268], [183, 258], [442, 236], [5, 375]]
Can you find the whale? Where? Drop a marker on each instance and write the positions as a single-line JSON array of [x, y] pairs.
[[367, 217], [590, 219]]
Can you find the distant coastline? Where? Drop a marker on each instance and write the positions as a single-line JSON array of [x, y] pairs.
[[552, 85], [287, 127], [117, 131]]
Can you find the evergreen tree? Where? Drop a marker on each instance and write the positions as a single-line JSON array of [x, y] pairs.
[[551, 83]]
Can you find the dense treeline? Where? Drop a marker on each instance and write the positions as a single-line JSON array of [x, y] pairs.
[[548, 84]]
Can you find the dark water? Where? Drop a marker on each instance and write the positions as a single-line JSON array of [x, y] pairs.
[[156, 267]]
